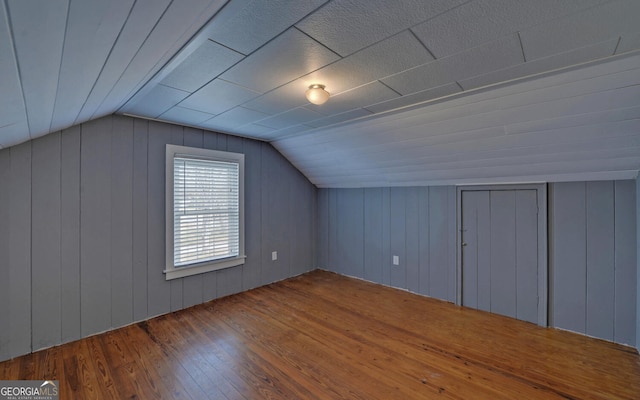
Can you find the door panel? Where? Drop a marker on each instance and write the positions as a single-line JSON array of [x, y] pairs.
[[527, 255], [476, 280], [470, 249], [503, 253], [499, 253]]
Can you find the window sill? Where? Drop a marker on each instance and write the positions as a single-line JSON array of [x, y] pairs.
[[181, 272]]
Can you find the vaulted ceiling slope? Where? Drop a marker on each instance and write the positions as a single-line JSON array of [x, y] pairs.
[[242, 66], [576, 125]]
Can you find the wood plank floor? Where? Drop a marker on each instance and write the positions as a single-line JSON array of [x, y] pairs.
[[325, 336]]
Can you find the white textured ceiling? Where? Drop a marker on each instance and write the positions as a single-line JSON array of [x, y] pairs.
[[410, 80]]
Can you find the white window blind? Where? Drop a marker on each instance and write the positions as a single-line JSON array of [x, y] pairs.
[[206, 210]]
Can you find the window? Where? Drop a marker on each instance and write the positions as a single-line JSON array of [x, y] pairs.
[[205, 210]]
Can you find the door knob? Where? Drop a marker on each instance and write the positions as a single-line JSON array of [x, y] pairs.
[[464, 244]]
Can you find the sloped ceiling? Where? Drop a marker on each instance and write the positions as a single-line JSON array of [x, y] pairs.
[[418, 87]]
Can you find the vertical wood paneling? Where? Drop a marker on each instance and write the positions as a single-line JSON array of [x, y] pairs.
[[121, 222], [159, 290], [193, 137], [435, 244], [526, 255], [45, 245], [275, 215], [98, 253], [311, 260], [423, 222], [386, 237], [372, 234], [5, 276], [209, 286], [301, 228], [625, 262], [323, 228], [222, 142], [503, 257], [438, 242], [637, 258], [229, 281], [569, 256], [20, 249], [334, 264], [70, 234], [350, 232], [193, 293], [252, 211], [95, 227], [298, 201], [210, 140], [139, 222], [600, 259], [412, 240], [398, 239], [269, 268], [313, 192], [594, 259], [451, 245]]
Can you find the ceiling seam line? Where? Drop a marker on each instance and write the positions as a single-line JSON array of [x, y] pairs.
[[524, 56], [617, 45], [106, 60], [225, 46], [389, 87], [186, 44], [5, 6], [319, 42], [422, 43], [129, 96], [342, 58], [64, 45], [202, 87]]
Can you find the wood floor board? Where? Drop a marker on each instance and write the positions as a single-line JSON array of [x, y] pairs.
[[171, 372], [342, 341], [404, 350], [103, 371], [485, 339], [211, 362], [249, 366], [261, 330], [326, 336], [149, 372]]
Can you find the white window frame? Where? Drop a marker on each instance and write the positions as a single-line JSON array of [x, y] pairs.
[[173, 151]]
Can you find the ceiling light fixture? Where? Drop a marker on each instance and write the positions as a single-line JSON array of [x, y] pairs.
[[316, 94]]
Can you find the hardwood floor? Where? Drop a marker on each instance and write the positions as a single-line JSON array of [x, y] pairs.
[[325, 336]]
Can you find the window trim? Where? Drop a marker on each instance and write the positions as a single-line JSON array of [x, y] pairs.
[[172, 151]]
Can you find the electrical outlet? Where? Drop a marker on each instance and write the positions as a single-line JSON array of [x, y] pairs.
[[274, 255], [396, 260]]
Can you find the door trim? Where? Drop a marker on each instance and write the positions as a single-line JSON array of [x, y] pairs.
[[543, 282]]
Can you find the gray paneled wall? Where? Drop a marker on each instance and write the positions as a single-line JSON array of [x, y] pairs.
[[592, 248], [637, 264], [82, 230], [360, 230], [593, 258]]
